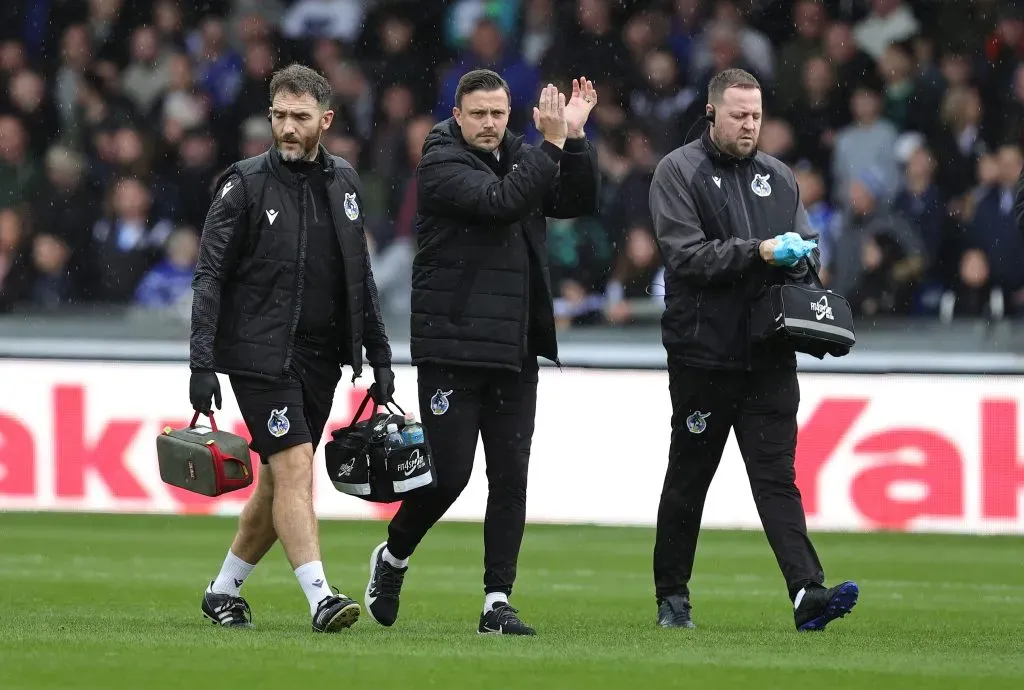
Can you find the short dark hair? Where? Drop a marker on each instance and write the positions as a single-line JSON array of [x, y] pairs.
[[480, 80], [727, 79], [299, 80]]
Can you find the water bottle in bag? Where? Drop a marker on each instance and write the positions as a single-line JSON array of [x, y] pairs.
[[412, 433]]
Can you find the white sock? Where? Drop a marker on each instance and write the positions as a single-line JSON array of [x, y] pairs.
[[314, 583], [799, 598], [232, 575], [493, 598], [397, 562]]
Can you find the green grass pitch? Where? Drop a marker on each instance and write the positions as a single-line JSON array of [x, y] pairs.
[[100, 601]]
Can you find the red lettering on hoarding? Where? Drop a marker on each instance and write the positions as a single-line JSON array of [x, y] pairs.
[[1002, 474], [355, 399], [819, 437], [937, 466], [17, 459], [74, 457]]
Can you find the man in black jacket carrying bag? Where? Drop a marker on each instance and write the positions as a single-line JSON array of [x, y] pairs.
[[482, 314], [283, 298], [721, 210]]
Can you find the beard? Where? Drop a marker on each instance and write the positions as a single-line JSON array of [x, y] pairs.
[[738, 148], [294, 148]]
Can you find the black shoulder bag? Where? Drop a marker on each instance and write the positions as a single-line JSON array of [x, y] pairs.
[[810, 318]]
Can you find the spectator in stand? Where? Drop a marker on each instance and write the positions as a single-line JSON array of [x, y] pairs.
[[753, 46], [634, 273], [920, 204], [820, 215], [869, 143], [65, 202], [168, 283], [218, 66], [878, 257], [991, 265], [488, 49], [14, 275], [959, 142], [128, 242], [850, 65], [18, 171], [27, 99], [817, 114], [147, 76], [663, 104], [809, 21], [900, 98]]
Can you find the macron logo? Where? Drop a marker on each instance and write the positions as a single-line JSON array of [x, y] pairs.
[[717, 181], [271, 216], [227, 188]]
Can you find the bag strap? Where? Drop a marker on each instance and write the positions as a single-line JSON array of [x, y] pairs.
[[366, 401], [362, 406], [195, 418]]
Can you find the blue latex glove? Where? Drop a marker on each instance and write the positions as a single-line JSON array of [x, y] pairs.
[[791, 248]]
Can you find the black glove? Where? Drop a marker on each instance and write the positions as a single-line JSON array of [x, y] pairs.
[[203, 386], [383, 388]]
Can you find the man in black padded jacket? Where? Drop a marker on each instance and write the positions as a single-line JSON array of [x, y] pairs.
[[482, 314], [284, 296]]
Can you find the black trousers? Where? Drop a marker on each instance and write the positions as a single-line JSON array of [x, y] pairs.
[[461, 405], [761, 406]]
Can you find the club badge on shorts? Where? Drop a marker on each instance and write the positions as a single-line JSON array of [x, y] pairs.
[[278, 424], [439, 403], [351, 206], [697, 422]]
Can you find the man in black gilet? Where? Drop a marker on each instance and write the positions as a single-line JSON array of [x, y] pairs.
[[284, 297]]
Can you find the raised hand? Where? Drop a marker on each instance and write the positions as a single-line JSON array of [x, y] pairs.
[[549, 116], [584, 98]]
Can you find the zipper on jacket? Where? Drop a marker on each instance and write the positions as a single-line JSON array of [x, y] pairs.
[[747, 354], [743, 203], [700, 296], [527, 298], [300, 275]]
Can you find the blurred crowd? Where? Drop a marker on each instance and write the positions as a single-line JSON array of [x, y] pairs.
[[903, 120]]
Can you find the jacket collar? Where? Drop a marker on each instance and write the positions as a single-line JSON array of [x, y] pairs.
[[719, 156], [289, 178]]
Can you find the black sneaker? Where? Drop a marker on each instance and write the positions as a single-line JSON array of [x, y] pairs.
[[674, 612], [335, 613], [383, 588], [502, 620], [226, 610], [821, 606]]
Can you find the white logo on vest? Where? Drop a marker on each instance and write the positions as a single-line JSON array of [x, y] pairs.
[[760, 185], [351, 206]]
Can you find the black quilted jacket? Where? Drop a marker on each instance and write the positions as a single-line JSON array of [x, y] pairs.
[[481, 293]]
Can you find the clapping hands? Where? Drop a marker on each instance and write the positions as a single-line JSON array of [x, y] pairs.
[[549, 116]]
